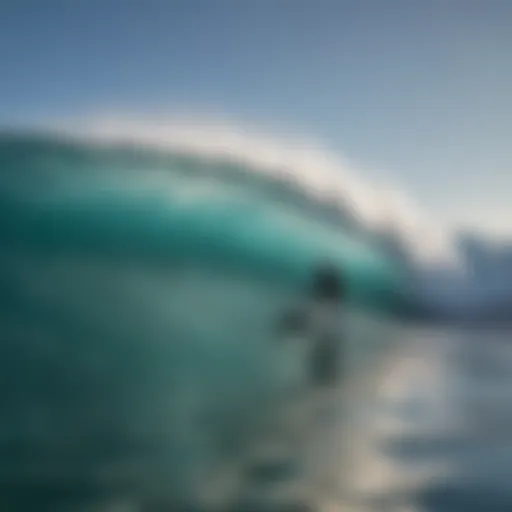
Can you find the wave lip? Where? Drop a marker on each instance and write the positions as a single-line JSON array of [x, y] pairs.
[[320, 174]]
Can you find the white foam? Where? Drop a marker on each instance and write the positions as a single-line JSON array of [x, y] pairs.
[[324, 176]]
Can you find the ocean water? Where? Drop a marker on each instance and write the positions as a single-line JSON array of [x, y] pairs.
[[437, 436], [142, 368], [141, 364]]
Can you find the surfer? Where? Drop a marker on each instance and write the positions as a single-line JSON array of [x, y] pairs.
[[319, 320], [327, 295]]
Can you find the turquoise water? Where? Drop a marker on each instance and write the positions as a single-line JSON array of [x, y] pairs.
[[140, 292]]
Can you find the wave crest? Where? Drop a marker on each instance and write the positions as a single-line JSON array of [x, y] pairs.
[[323, 176]]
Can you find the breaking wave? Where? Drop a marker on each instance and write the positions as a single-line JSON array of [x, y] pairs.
[[141, 279]]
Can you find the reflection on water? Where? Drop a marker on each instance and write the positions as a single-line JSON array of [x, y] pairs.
[[440, 438]]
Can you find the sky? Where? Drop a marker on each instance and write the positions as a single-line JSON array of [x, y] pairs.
[[416, 93]]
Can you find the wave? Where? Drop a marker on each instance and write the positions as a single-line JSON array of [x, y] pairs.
[[140, 286], [174, 200]]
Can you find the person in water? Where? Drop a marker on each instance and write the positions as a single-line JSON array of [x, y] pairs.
[[327, 295], [319, 319]]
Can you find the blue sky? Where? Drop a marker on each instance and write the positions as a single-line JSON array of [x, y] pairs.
[[415, 92]]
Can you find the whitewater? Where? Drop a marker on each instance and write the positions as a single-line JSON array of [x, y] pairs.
[[144, 269]]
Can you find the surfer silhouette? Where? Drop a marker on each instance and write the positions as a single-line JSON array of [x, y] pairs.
[[319, 320]]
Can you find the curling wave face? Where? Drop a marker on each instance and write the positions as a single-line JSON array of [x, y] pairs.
[[139, 292]]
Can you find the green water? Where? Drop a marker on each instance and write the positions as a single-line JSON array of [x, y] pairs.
[[140, 293]]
